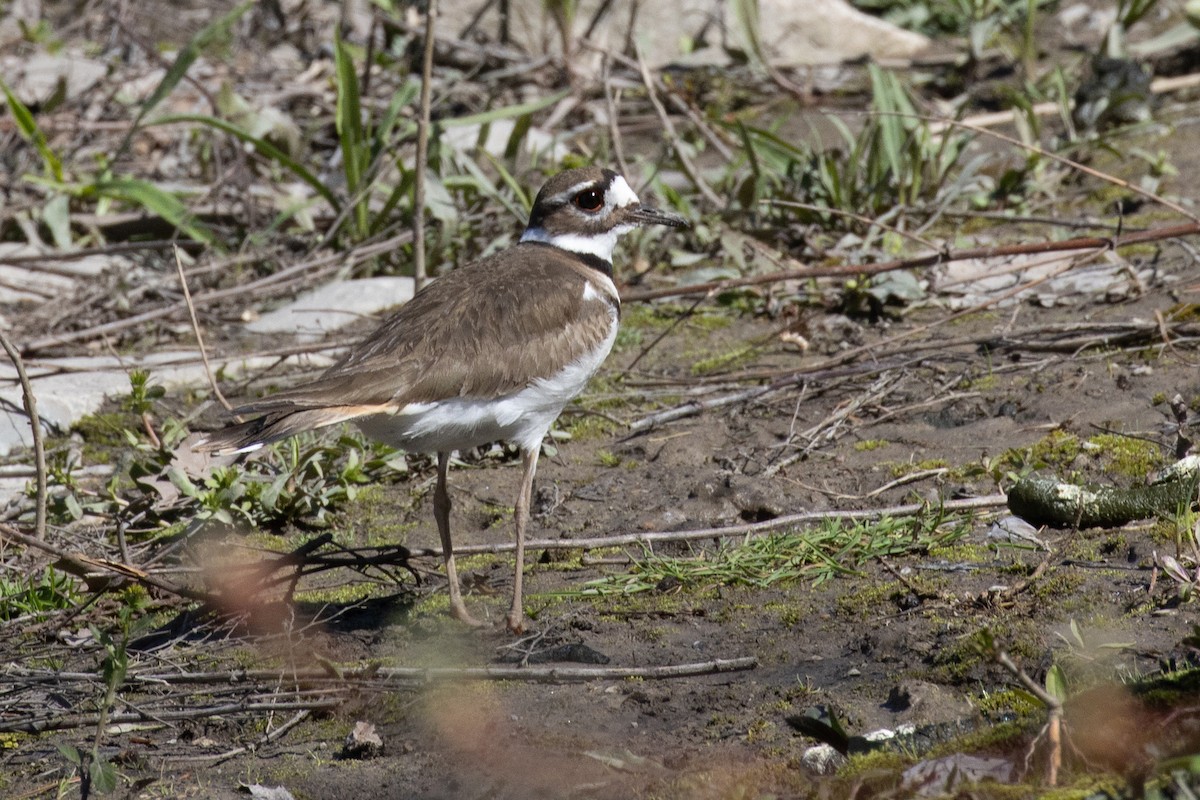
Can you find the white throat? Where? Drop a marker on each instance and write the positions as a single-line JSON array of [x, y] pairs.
[[600, 245]]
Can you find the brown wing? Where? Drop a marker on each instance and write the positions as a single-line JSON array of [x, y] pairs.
[[485, 330]]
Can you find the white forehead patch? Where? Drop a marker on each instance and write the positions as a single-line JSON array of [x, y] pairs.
[[620, 195]]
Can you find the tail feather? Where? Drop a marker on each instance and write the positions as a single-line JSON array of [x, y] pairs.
[[248, 436]]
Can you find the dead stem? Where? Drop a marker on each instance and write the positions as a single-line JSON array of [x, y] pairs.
[[1054, 711], [685, 161], [875, 223], [191, 307], [1075, 165], [418, 223], [35, 423], [837, 422]]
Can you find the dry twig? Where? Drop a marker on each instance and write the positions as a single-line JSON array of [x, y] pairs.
[[418, 229], [35, 423], [81, 565], [685, 161], [307, 270], [191, 307], [1054, 709]]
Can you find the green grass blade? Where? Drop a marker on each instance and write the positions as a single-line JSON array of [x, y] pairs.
[[749, 25], [155, 200], [751, 152], [350, 134], [381, 138], [891, 127], [476, 181], [484, 117], [509, 180], [215, 31], [400, 191], [262, 147], [29, 129]]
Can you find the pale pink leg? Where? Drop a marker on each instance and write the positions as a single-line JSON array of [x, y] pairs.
[[441, 513], [529, 459]]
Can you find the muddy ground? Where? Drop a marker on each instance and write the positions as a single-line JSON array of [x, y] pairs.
[[888, 407], [891, 641]]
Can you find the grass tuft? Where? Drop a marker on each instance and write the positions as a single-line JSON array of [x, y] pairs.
[[819, 554]]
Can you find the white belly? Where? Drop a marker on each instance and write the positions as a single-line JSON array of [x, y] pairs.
[[459, 423]]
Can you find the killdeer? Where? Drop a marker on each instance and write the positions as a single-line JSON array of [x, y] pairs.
[[491, 351]]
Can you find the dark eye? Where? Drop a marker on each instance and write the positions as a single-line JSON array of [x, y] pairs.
[[590, 199]]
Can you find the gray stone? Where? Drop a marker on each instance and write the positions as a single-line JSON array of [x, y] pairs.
[[19, 16], [792, 32], [334, 306], [48, 277], [362, 742], [68, 389], [811, 32], [1063, 278], [36, 79], [535, 142]]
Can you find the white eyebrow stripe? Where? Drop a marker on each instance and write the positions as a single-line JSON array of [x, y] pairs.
[[618, 195]]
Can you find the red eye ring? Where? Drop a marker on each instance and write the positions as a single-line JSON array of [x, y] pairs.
[[590, 200]]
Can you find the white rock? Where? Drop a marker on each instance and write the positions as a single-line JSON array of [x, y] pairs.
[[536, 141], [48, 277], [822, 759], [334, 306], [811, 32], [972, 281], [68, 389], [35, 79], [793, 32], [19, 16]]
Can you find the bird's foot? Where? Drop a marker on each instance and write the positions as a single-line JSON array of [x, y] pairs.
[[459, 612], [515, 622]]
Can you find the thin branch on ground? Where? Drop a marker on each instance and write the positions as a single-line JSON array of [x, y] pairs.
[[327, 688], [749, 529], [685, 161], [372, 673], [191, 307], [868, 221], [267, 738], [35, 429], [80, 564], [836, 422], [904, 480], [1023, 584], [1067, 162], [675, 323], [61, 722], [1054, 709], [877, 351], [918, 592], [423, 124]]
